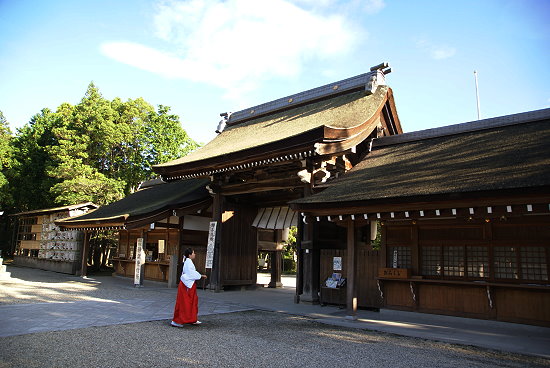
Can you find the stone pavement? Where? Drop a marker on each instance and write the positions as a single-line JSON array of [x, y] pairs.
[[113, 300]]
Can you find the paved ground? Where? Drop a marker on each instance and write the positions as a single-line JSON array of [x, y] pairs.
[[46, 318]]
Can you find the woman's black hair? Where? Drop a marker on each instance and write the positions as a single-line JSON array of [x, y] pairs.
[[188, 252]]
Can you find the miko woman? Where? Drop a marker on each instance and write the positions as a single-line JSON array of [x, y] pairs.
[[187, 301]]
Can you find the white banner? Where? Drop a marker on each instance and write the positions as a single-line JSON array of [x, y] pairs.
[[211, 242], [140, 260]]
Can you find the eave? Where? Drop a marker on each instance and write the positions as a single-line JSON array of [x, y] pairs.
[[372, 209]]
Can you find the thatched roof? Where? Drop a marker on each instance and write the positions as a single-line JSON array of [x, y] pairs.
[[340, 112], [145, 203], [506, 153]]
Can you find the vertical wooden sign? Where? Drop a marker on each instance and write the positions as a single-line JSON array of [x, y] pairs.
[[140, 263], [211, 242]]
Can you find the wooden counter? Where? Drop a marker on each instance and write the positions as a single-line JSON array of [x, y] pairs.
[[156, 271], [510, 302]]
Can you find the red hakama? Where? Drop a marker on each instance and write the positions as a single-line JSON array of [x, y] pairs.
[[187, 304]]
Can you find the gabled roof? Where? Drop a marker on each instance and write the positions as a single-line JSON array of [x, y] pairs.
[[45, 211], [145, 205], [505, 153], [312, 122]]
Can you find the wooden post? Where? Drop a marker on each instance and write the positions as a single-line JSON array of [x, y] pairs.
[[178, 254], [217, 210], [299, 264], [351, 266], [310, 263], [173, 277], [85, 246], [276, 266]]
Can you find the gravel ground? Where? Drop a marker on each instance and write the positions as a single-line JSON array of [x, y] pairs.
[[244, 339]]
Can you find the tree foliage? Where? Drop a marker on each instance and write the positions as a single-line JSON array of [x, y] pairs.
[[6, 161], [98, 150]]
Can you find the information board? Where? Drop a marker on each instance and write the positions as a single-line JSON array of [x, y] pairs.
[[140, 261], [211, 242]]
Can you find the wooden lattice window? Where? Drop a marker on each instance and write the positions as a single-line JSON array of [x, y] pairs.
[[505, 262], [403, 254], [533, 263], [431, 261], [453, 261], [477, 261]]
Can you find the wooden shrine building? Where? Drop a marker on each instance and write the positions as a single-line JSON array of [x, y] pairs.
[[465, 219], [40, 243], [286, 149], [168, 216]]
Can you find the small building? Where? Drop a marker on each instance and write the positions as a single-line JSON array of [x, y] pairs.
[[464, 214], [169, 217], [40, 243]]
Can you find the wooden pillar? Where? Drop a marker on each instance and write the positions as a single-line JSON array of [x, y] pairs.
[[178, 253], [85, 247], [276, 268], [351, 266], [217, 211], [299, 264], [310, 264], [310, 255]]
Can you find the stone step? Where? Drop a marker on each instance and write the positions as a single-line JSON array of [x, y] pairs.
[[5, 275], [3, 268]]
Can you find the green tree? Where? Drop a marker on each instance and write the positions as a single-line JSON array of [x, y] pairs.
[[97, 150], [6, 162], [28, 178]]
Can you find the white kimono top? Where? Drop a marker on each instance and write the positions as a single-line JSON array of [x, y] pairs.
[[189, 273]]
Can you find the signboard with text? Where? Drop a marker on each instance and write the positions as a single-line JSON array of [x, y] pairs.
[[140, 261], [211, 243]]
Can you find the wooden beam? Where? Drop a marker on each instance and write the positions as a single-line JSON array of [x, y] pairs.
[[166, 225], [256, 186]]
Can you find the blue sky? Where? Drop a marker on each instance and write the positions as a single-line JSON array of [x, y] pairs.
[[202, 58]]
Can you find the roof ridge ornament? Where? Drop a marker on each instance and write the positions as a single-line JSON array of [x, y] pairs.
[[377, 77], [221, 125]]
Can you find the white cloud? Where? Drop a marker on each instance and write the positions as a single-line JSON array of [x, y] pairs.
[[373, 6], [442, 52], [437, 52], [236, 44]]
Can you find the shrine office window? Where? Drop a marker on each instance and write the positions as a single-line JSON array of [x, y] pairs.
[[533, 263], [505, 263], [431, 260], [527, 263], [455, 261], [399, 257], [477, 264]]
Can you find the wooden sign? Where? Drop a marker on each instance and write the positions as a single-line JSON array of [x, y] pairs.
[[211, 243], [140, 261], [394, 273]]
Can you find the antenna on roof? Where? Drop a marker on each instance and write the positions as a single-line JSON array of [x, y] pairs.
[[477, 96]]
